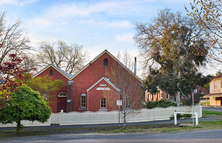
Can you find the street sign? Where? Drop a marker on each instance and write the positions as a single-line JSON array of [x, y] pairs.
[[119, 102]]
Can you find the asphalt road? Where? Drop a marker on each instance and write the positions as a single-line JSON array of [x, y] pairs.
[[213, 136], [219, 109]]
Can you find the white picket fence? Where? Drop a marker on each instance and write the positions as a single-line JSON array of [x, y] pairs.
[[102, 117]]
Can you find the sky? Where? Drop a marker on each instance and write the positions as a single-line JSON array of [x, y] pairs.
[[95, 24]]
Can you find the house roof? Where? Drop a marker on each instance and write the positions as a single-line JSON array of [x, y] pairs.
[[213, 95], [107, 80], [67, 75], [70, 77], [107, 52], [219, 76]]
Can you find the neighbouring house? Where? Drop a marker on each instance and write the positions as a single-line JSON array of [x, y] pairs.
[[162, 95], [92, 88], [215, 95], [156, 97]]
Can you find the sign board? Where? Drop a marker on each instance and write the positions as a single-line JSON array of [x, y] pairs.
[[119, 102]]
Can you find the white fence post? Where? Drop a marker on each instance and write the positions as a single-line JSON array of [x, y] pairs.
[[101, 117]]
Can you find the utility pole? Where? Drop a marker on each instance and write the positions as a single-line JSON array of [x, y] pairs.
[[178, 84]]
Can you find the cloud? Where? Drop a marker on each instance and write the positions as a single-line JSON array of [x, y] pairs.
[[17, 2], [42, 22], [8, 2], [126, 37], [116, 24], [83, 9]]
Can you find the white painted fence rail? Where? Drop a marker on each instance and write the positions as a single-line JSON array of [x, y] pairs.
[[102, 117]]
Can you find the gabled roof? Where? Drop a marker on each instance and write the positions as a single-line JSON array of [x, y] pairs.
[[219, 76], [107, 80], [107, 52], [68, 76]]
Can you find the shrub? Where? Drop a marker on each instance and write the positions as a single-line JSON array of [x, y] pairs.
[[188, 101], [161, 103]]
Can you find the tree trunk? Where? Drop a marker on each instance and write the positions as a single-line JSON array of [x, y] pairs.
[[124, 124], [18, 128]]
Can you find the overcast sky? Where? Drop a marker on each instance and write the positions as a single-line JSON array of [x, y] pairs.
[[95, 24]]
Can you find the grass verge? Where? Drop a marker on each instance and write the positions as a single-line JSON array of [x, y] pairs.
[[160, 128]]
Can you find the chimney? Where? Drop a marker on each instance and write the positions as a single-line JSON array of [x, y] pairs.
[[135, 67]]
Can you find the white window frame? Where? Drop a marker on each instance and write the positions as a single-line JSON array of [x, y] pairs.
[[101, 102], [59, 95], [82, 95], [150, 97]]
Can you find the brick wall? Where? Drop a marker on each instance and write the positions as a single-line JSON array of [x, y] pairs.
[[59, 102]]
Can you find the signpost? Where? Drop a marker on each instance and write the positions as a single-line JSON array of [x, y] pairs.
[[119, 103]]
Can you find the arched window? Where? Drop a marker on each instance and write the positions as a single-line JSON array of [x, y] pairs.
[[103, 102], [51, 72], [105, 62], [83, 100], [62, 94]]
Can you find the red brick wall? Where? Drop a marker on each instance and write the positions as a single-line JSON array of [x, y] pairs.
[[94, 97], [56, 106], [202, 89], [84, 81], [90, 76]]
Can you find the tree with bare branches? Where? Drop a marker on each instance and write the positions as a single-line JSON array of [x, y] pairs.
[[207, 15], [12, 39], [126, 59], [69, 58], [131, 90]]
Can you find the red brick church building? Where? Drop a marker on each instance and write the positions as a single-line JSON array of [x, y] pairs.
[[96, 87]]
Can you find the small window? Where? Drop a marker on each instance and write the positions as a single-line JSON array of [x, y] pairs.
[[150, 97], [215, 85], [51, 72], [220, 84], [167, 96], [103, 102], [62, 94], [159, 95], [45, 96], [83, 100], [105, 62]]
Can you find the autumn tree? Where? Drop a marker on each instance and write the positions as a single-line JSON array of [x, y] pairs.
[[12, 75], [170, 53], [131, 90], [11, 39], [70, 58], [24, 104], [207, 15], [45, 86]]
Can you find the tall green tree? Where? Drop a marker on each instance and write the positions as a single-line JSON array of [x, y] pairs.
[[207, 15], [24, 104], [45, 86], [170, 53]]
